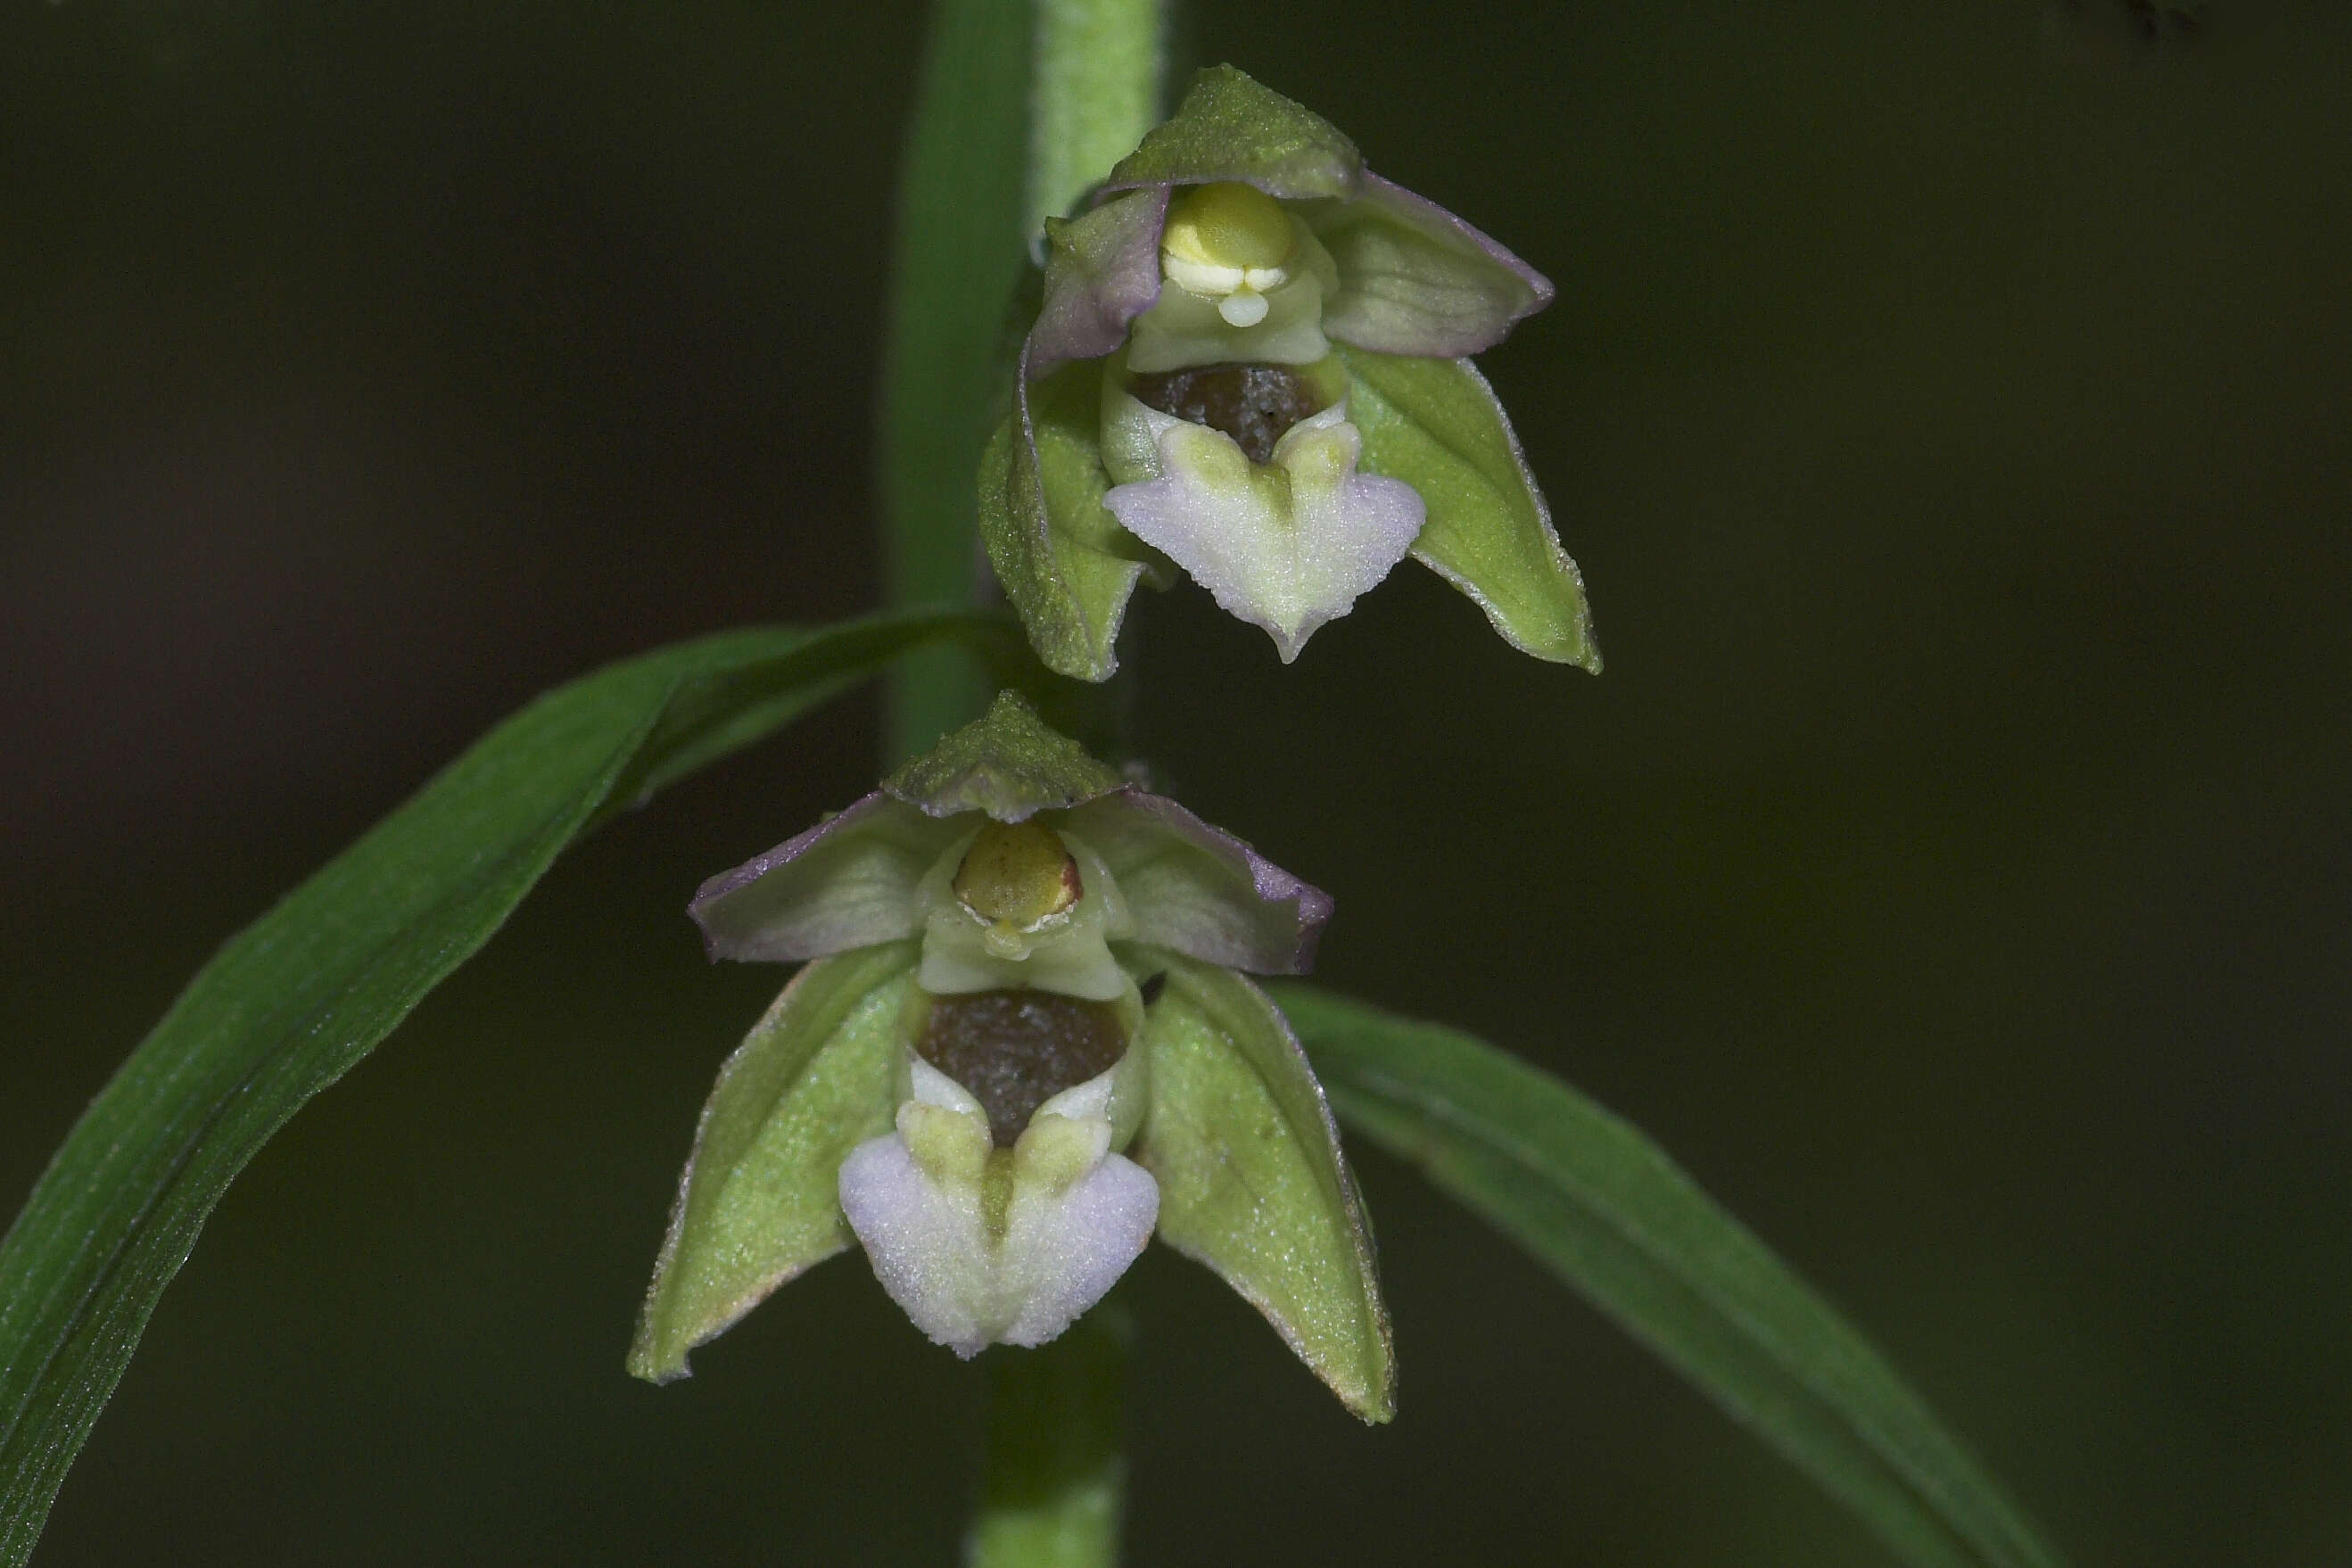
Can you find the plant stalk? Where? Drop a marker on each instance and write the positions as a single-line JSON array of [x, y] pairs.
[[1022, 105], [1054, 1479], [1097, 90], [958, 253]]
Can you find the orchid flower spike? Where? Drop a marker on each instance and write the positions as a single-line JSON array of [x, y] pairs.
[[1020, 1044], [1250, 365]]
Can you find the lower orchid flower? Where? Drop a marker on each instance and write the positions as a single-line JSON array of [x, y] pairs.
[[1021, 1046]]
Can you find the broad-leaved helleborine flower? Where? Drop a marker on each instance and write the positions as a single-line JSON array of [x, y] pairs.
[[1020, 1045], [1250, 362]]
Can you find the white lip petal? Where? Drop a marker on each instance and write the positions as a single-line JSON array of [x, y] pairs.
[[927, 1241], [1286, 555], [1060, 1255], [1066, 1238]]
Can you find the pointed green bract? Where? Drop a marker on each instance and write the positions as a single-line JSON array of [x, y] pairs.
[[291, 1003], [1065, 562], [1252, 1180], [1008, 764], [759, 1202], [1603, 1208], [1435, 423], [1230, 128]]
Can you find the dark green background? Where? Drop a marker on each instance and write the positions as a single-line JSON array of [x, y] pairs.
[[1947, 405]]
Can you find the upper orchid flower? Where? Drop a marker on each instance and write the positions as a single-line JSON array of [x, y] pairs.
[[1020, 1047], [1249, 362]]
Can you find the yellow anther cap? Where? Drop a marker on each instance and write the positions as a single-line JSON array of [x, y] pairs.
[[1227, 225], [1017, 875]]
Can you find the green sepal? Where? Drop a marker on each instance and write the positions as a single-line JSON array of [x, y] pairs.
[[760, 1202], [1436, 425], [1252, 1180], [1008, 762], [1065, 562], [1230, 128]]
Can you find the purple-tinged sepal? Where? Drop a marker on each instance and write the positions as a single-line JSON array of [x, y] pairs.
[[1415, 279], [1102, 271], [1199, 890], [849, 882]]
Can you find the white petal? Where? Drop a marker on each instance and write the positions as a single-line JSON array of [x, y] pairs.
[[1061, 1254], [1078, 1215], [927, 1242], [1287, 552]]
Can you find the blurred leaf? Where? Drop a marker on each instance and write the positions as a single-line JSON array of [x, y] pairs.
[[957, 257], [1436, 425], [305, 991], [1251, 1181], [1603, 1209], [761, 1202]]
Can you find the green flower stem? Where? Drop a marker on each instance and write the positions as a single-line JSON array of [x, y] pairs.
[[1056, 1473], [959, 252], [1022, 105], [1098, 65]]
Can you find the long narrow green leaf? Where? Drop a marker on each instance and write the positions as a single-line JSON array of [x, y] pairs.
[[957, 257], [1603, 1209], [293, 1002]]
